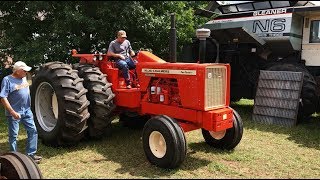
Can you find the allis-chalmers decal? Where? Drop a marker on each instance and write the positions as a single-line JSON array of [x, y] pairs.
[[169, 71]]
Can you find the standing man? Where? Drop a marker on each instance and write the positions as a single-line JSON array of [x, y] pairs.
[[121, 50], [15, 97]]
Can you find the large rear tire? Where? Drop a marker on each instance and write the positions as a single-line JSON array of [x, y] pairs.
[[60, 104], [308, 93], [164, 142], [100, 96], [227, 139]]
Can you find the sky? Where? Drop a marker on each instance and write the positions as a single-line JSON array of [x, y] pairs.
[[316, 2]]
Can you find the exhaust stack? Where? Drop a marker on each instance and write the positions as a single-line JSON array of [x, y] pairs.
[[202, 34], [173, 40]]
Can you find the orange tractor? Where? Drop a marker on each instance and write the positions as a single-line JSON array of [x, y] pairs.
[[73, 101]]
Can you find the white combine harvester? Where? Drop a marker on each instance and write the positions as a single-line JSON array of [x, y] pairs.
[[264, 35]]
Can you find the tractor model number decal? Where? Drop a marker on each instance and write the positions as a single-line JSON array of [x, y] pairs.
[[169, 71], [274, 25]]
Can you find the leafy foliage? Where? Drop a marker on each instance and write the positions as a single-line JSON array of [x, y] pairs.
[[42, 31]]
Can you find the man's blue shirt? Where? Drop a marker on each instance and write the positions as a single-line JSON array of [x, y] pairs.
[[17, 92]]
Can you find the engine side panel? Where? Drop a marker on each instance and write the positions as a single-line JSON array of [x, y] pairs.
[[190, 82]]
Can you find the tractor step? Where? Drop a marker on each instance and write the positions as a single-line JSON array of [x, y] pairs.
[[277, 98]]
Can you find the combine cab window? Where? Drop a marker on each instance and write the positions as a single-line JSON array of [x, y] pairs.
[[229, 9], [262, 5], [315, 31], [226, 7], [245, 7], [277, 4]]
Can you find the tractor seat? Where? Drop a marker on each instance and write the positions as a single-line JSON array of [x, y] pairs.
[[133, 77]]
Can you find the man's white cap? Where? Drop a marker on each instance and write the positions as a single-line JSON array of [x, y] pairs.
[[21, 65]]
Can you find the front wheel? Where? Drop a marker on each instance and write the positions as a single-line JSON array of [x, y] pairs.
[[164, 142], [226, 139]]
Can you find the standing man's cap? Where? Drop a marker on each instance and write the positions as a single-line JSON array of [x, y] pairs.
[[122, 34], [21, 65]]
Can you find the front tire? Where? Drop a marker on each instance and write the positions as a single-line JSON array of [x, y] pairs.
[[164, 142], [60, 104], [227, 139]]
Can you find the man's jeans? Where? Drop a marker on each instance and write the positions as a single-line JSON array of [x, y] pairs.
[[28, 122], [124, 65]]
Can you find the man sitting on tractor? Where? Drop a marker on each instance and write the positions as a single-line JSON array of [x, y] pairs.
[[120, 49]]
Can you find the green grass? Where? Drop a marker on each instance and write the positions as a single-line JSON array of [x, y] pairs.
[[265, 151]]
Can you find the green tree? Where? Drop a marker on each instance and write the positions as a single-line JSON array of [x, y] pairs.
[[42, 31]]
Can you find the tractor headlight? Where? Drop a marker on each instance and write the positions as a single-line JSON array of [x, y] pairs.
[[100, 57], [94, 58]]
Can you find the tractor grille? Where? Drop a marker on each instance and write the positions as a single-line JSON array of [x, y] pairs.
[[215, 87]]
